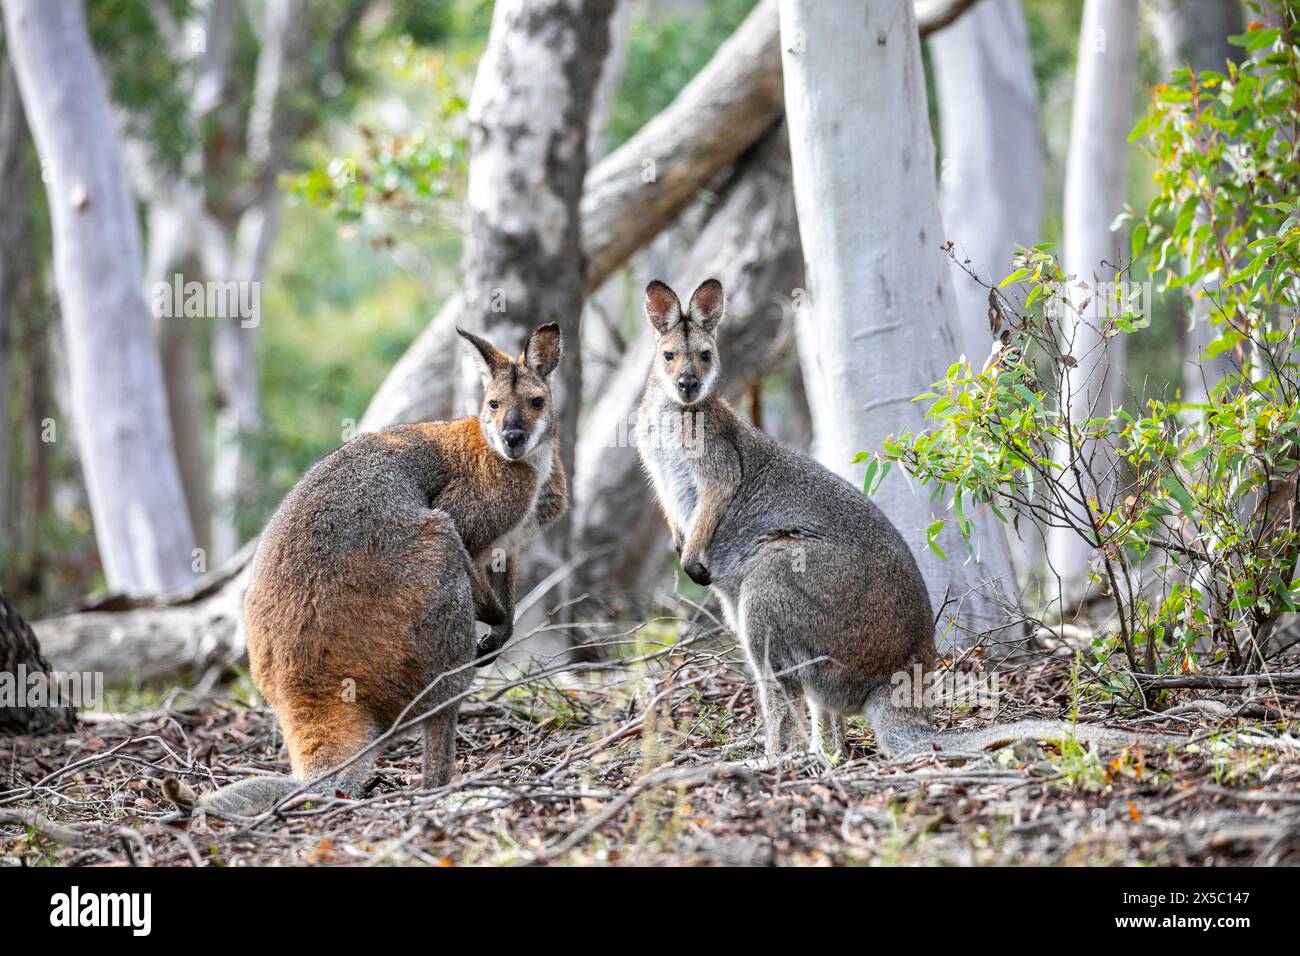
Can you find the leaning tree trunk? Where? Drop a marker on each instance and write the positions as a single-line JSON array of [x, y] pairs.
[[21, 660], [1096, 175], [1194, 34], [141, 523], [877, 327]]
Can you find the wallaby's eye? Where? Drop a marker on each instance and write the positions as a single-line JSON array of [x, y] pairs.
[[493, 404], [706, 356], [537, 403], [669, 356]]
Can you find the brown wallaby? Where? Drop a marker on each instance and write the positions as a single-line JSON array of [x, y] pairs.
[[368, 577], [819, 587]]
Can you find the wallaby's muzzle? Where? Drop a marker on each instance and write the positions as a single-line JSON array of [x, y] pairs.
[[688, 386]]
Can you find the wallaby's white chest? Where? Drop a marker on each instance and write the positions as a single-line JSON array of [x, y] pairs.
[[526, 528], [666, 440]]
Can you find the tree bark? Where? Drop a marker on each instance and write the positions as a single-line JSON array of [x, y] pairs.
[[19, 649], [141, 523], [1194, 33], [878, 324], [1096, 177]]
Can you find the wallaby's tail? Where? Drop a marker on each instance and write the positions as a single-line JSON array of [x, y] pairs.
[[1093, 734], [902, 727], [245, 798], [898, 729], [1002, 734]]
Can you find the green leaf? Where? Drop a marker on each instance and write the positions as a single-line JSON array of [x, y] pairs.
[[1139, 240], [871, 473], [1175, 490]]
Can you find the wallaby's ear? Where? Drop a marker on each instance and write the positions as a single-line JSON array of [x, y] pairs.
[[544, 348], [708, 303], [489, 359], [661, 306]]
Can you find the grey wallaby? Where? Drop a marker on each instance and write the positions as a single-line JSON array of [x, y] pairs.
[[817, 584]]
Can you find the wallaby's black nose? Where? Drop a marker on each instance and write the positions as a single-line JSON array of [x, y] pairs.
[[689, 383], [513, 437]]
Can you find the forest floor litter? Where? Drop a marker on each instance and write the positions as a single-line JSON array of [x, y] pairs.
[[653, 761]]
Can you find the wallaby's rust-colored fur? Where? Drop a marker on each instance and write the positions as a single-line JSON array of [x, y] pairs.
[[819, 587], [368, 577]]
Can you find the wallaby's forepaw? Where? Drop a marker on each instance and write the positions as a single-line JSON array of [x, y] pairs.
[[697, 573], [490, 644]]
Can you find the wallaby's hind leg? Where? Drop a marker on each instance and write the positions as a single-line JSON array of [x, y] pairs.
[[827, 735], [440, 747], [332, 732], [790, 734], [774, 703]]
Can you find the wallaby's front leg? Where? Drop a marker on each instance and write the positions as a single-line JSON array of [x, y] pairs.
[[717, 478], [553, 499], [487, 607], [502, 581]]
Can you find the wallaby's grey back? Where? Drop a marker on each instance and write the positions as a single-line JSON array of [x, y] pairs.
[[825, 591]]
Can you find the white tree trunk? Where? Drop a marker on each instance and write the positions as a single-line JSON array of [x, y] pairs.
[[1096, 177], [141, 523], [877, 328], [991, 170], [17, 270]]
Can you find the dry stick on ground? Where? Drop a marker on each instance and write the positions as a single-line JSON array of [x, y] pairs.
[[1220, 682]]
